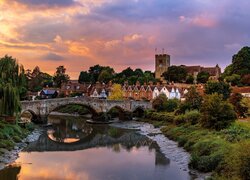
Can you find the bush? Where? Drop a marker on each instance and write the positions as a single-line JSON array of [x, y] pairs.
[[216, 113], [205, 163], [170, 105], [159, 101], [237, 163], [180, 119], [193, 117]]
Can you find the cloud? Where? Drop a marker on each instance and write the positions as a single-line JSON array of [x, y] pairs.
[[202, 20], [122, 33], [48, 3], [52, 57]]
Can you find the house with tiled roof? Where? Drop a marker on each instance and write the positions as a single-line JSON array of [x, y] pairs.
[[244, 91], [150, 92]]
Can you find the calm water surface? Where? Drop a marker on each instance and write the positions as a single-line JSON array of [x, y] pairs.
[[72, 149]]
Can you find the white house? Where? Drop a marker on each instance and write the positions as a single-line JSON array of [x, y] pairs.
[[156, 92], [165, 91]]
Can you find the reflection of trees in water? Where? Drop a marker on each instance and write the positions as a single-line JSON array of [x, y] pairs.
[[68, 127], [91, 136], [10, 172]]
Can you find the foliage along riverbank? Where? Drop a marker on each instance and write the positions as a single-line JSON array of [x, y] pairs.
[[10, 134], [225, 153]]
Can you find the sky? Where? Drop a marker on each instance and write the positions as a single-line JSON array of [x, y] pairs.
[[121, 33]]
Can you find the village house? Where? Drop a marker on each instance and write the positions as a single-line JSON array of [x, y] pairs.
[[48, 93], [74, 87], [244, 91], [150, 91], [100, 90]]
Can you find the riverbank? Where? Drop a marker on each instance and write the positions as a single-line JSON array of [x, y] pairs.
[[225, 153], [13, 139]]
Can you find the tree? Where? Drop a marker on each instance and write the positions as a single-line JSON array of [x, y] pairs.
[[12, 85], [38, 79], [171, 105], [235, 99], [203, 77], [218, 87], [105, 76], [85, 77], [176, 74], [245, 102], [246, 79], [190, 79], [158, 102], [193, 98], [241, 62], [216, 112], [234, 79], [116, 93], [60, 76], [127, 72], [138, 72]]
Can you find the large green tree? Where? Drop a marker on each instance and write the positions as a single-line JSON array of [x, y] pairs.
[[218, 87], [176, 74], [60, 76], [12, 85], [203, 77], [241, 62], [240, 67], [85, 77], [216, 112], [38, 79]]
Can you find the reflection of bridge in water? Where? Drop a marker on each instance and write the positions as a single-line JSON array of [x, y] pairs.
[[126, 140], [40, 109]]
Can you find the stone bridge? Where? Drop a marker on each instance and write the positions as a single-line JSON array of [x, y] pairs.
[[40, 109]]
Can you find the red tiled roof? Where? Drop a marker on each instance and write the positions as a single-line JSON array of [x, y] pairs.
[[241, 89]]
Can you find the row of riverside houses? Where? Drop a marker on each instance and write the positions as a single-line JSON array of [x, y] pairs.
[[151, 91]]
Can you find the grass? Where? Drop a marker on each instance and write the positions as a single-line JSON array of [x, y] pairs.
[[73, 108], [10, 134], [225, 153]]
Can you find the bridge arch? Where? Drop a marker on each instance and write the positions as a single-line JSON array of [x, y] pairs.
[[90, 108], [33, 117], [138, 111]]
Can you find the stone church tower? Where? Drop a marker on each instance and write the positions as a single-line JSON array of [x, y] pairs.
[[162, 62]]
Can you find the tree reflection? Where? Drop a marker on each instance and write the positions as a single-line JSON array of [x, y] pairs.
[[10, 172]]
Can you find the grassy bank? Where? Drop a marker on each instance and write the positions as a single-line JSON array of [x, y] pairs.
[[73, 109], [10, 134], [226, 153]]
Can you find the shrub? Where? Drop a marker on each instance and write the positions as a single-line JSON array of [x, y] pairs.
[[205, 163], [180, 119], [193, 98], [237, 163], [168, 117], [159, 101], [216, 113], [170, 105], [193, 117]]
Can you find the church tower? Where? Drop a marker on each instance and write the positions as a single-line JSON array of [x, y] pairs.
[[162, 62]]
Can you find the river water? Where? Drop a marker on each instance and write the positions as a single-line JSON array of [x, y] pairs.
[[73, 149]]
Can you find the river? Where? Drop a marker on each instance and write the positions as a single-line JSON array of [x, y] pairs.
[[73, 149]]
